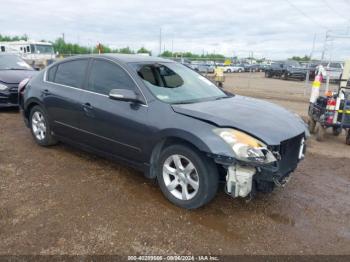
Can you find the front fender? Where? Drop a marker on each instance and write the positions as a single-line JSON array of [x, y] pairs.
[[204, 139]]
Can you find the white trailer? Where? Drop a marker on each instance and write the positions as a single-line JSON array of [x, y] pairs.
[[35, 53]]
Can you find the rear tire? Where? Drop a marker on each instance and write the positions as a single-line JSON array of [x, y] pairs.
[[40, 127], [347, 141], [186, 177], [336, 131]]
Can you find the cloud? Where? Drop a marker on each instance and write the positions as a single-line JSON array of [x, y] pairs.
[[275, 28]]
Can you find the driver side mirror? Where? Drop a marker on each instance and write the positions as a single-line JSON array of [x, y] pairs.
[[124, 95]]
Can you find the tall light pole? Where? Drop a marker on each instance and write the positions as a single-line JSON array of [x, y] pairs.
[[325, 44], [160, 41]]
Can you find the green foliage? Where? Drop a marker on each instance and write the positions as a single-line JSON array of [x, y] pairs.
[[192, 56], [125, 50], [167, 54], [65, 48], [6, 38], [62, 47], [300, 59], [143, 50]]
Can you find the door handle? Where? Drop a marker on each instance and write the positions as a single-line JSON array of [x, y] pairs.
[[88, 106], [89, 110], [46, 92]]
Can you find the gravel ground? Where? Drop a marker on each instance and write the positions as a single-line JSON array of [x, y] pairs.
[[59, 200]]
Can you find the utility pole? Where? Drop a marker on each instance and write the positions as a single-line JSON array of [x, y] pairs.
[[325, 44], [63, 36], [308, 65], [160, 41]]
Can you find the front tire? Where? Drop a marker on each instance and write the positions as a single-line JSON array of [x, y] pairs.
[[40, 127], [186, 177]]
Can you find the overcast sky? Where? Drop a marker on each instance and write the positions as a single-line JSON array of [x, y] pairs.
[[271, 28]]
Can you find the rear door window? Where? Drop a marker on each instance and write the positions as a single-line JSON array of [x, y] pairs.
[[105, 76], [71, 73], [51, 74]]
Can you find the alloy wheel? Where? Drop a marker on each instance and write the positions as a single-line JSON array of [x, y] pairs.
[[39, 125], [180, 177]]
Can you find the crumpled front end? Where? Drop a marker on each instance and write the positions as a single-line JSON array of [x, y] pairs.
[[244, 179]]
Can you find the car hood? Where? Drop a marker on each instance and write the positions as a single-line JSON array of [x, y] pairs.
[[15, 76], [266, 121]]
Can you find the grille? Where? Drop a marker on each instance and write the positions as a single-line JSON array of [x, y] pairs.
[[289, 151]]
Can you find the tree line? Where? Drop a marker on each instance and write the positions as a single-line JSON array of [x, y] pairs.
[[64, 48], [192, 56]]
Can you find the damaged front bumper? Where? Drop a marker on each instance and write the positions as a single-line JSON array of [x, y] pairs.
[[244, 179]]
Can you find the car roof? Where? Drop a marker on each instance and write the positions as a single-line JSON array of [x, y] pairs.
[[125, 58]]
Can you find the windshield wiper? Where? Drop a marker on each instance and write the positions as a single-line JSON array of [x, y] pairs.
[[184, 102], [221, 97], [14, 68]]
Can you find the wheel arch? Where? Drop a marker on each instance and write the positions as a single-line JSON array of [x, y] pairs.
[[29, 105], [170, 140]]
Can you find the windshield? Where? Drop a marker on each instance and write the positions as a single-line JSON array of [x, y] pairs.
[[174, 83], [13, 62], [43, 49]]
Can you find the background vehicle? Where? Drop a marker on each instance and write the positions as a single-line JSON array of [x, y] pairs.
[[37, 54], [204, 68], [252, 68], [233, 68], [264, 67], [166, 120], [334, 70], [228, 68], [286, 69], [12, 71]]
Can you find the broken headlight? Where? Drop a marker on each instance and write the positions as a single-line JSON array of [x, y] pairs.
[[245, 147]]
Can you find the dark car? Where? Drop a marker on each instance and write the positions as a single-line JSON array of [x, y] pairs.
[[286, 70], [252, 68], [168, 121], [12, 71]]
